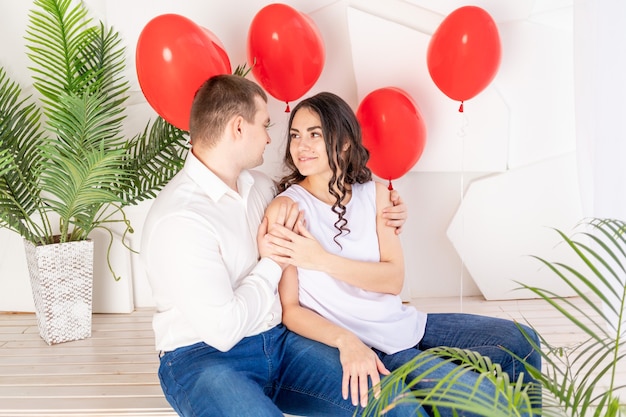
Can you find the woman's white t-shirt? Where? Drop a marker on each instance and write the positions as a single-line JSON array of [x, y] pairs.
[[380, 320]]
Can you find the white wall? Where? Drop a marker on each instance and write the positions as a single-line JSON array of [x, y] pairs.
[[521, 126]]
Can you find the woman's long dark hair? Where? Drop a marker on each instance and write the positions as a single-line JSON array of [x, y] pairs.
[[339, 127]]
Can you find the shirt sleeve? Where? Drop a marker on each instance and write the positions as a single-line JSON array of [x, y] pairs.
[[188, 277]]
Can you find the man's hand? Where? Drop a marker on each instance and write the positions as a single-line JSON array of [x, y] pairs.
[[397, 214], [289, 215], [266, 250]]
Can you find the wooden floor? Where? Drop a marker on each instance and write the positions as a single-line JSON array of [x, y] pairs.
[[113, 373]]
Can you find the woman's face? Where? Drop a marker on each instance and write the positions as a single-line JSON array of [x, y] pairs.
[[306, 144]]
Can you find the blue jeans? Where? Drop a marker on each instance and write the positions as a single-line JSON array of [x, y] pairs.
[[264, 375], [488, 336]]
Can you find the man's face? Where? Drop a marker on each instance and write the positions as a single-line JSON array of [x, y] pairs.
[[257, 137]]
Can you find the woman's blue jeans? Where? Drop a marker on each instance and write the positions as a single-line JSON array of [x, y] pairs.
[[264, 375], [488, 336]]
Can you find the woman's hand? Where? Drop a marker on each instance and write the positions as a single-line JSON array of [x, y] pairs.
[[288, 217], [359, 363], [296, 247]]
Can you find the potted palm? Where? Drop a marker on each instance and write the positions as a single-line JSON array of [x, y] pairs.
[[66, 168], [576, 381]]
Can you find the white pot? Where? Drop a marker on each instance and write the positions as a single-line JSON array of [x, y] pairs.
[[62, 282]]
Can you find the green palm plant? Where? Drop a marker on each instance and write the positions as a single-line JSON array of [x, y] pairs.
[[576, 381], [65, 166], [507, 399], [582, 380]]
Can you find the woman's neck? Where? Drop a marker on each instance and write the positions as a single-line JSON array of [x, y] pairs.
[[318, 187]]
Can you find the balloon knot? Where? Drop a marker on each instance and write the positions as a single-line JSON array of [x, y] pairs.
[[390, 187], [287, 110], [461, 108]]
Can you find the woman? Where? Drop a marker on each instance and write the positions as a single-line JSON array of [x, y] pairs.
[[351, 299]]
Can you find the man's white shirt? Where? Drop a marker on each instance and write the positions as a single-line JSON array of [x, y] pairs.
[[200, 253]]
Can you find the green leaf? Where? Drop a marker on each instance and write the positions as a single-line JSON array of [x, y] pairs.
[[572, 375], [576, 381], [78, 166], [20, 138], [153, 158]]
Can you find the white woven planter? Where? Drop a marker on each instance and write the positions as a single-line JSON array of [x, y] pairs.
[[62, 280]]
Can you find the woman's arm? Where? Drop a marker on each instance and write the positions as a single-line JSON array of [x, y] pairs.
[[358, 361], [386, 276]]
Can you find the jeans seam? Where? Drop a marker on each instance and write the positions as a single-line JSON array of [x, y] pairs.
[[168, 365], [316, 395]]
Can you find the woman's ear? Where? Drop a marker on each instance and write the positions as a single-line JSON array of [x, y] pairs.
[[344, 151]]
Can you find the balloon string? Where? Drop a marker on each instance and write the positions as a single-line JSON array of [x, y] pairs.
[[287, 110], [390, 186], [462, 133], [462, 224]]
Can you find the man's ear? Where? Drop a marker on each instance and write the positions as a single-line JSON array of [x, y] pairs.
[[236, 126]]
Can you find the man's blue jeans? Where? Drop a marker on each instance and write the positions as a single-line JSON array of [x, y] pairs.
[[264, 375], [488, 336]]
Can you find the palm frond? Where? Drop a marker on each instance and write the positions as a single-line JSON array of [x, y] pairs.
[[83, 168], [154, 157], [581, 379], [104, 58], [72, 56], [20, 137], [56, 34], [85, 123], [505, 398], [243, 69], [577, 381]]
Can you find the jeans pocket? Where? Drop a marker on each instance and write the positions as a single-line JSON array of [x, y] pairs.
[[186, 353]]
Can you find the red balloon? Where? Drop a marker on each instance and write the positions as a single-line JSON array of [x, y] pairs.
[[174, 57], [221, 50], [285, 51], [393, 131], [464, 53]]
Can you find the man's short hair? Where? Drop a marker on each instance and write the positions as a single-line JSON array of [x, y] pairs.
[[217, 101]]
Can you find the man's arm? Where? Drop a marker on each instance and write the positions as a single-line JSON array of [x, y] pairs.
[[192, 284], [396, 214]]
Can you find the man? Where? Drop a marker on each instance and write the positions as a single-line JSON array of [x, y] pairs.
[[218, 320]]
